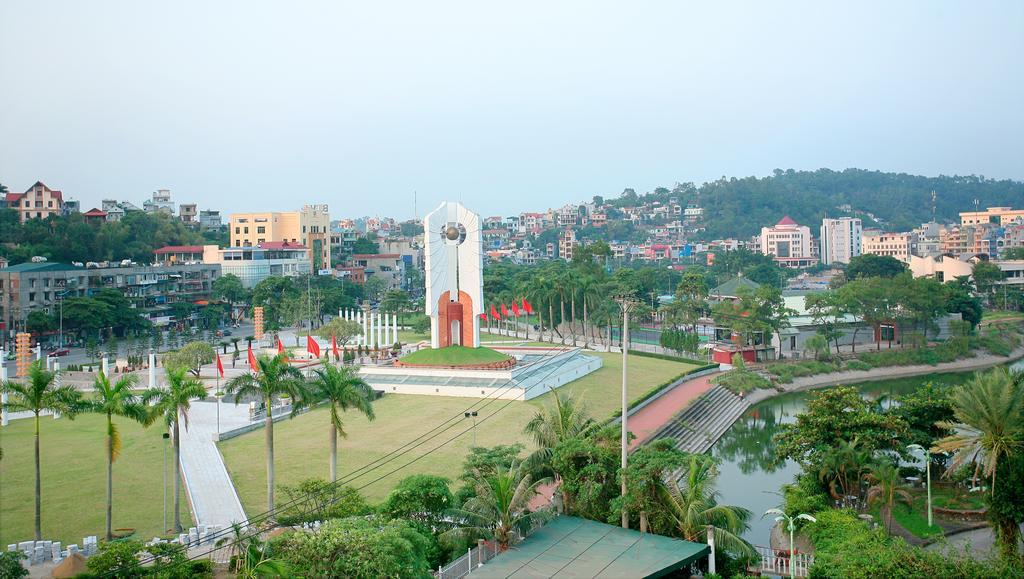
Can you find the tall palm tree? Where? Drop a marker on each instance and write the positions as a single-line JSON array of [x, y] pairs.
[[116, 399], [692, 502], [989, 413], [41, 393], [887, 488], [341, 388], [565, 418], [499, 511], [843, 466], [274, 377], [172, 403]]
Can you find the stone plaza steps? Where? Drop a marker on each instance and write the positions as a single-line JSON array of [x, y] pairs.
[[698, 426]]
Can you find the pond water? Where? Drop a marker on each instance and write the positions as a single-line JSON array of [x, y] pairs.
[[750, 476]]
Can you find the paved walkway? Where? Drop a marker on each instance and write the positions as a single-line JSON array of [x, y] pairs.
[[650, 418], [213, 497]]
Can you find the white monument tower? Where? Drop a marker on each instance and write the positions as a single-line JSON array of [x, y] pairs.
[[454, 275]]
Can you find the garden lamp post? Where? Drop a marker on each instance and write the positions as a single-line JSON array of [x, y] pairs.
[[928, 475], [166, 436], [473, 414], [791, 524]]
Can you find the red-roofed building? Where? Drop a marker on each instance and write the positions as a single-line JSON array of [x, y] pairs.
[[38, 202], [789, 243], [179, 254], [95, 216]]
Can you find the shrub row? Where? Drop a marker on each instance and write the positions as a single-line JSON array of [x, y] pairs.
[[668, 357]]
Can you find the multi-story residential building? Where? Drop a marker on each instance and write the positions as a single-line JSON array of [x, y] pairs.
[[992, 215], [343, 237], [899, 245], [28, 287], [531, 223], [409, 248], [788, 243], [70, 206], [37, 202], [255, 264], [927, 238], [309, 227], [160, 202], [512, 223], [209, 220], [967, 239], [356, 275], [944, 268], [568, 216], [567, 244], [387, 266], [840, 239], [187, 213]]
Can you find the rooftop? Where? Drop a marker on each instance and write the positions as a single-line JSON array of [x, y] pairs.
[[731, 287], [179, 249], [574, 547]]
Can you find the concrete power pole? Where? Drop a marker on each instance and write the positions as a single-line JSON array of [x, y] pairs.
[[626, 304]]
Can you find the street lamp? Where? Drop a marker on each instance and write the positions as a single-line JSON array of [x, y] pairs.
[[473, 415], [626, 304], [791, 524], [166, 436], [218, 395], [928, 474]]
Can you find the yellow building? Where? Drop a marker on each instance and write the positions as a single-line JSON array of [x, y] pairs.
[[310, 227], [997, 215]]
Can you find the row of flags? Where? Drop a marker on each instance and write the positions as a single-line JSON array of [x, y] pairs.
[[507, 311], [311, 346]]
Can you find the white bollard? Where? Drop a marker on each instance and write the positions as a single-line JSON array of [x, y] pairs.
[[4, 419], [105, 365], [152, 369], [39, 352]]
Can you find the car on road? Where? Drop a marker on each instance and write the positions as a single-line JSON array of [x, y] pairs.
[[59, 352]]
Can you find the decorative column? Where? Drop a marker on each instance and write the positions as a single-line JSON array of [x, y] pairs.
[[152, 368], [39, 352], [56, 380], [22, 353], [366, 325], [257, 318], [105, 364], [394, 327]]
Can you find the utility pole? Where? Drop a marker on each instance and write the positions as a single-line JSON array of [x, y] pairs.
[[626, 304]]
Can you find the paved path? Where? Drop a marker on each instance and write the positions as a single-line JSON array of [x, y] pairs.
[[210, 490], [650, 418], [980, 543]]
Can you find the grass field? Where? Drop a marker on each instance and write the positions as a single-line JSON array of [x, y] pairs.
[[301, 445], [74, 480], [454, 356]]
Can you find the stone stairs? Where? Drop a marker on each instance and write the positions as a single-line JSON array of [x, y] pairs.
[[698, 427]]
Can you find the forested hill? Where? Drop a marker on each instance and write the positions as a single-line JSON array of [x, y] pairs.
[[740, 207]]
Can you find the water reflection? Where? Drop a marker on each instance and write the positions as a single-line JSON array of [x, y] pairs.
[[751, 474]]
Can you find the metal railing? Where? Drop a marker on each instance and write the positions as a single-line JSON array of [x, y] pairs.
[[464, 565], [777, 561]]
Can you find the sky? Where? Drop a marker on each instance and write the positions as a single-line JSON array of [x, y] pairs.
[[506, 107]]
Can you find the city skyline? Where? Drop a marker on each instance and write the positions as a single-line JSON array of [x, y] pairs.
[[349, 105]]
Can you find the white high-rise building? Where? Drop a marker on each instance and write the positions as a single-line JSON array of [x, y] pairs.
[[840, 239]]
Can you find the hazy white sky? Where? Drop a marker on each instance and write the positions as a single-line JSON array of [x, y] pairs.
[[509, 107]]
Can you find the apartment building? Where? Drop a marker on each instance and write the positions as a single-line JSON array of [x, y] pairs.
[[387, 266], [27, 287], [992, 215], [188, 214], [309, 227], [840, 239], [567, 244], [899, 245], [159, 203], [37, 202], [789, 243], [209, 220]]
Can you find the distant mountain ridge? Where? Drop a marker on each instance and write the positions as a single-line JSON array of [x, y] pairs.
[[739, 207]]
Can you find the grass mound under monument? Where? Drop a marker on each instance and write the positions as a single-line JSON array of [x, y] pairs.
[[454, 356]]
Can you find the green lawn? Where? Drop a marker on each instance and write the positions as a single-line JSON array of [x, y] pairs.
[[454, 356], [74, 480], [410, 337], [301, 444]]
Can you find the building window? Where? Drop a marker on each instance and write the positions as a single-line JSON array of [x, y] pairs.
[[247, 231], [31, 296]]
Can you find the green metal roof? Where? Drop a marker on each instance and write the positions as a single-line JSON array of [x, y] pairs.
[[41, 266], [574, 547], [730, 287]]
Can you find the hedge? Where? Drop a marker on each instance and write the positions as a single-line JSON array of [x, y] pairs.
[[667, 357]]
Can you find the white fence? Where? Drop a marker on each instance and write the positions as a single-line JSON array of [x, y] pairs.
[[776, 562], [464, 565]]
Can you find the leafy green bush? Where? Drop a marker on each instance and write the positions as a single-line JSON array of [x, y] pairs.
[[10, 565], [667, 357], [315, 499], [116, 559], [356, 547], [805, 495], [740, 381], [860, 365]]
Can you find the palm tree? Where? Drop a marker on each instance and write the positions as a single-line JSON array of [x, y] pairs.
[[566, 418], [341, 388], [274, 377], [887, 488], [499, 511], [693, 506], [172, 403], [41, 393], [989, 413], [116, 399], [842, 468]]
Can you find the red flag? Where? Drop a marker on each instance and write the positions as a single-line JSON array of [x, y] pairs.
[[527, 306], [483, 316], [515, 309], [504, 310], [312, 347], [280, 346], [220, 366], [252, 361], [494, 313], [334, 348]]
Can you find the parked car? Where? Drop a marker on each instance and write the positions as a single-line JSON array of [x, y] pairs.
[[227, 332], [59, 352]]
